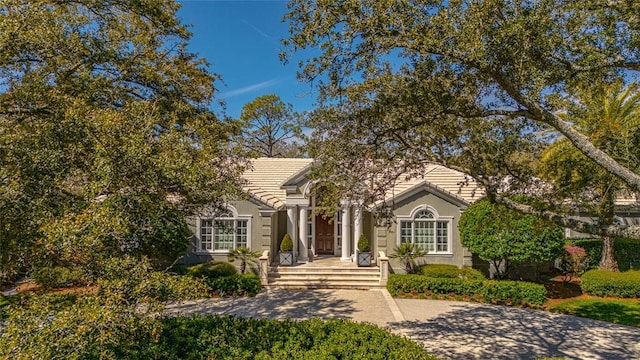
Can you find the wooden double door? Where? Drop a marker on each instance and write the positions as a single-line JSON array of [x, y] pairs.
[[324, 236]]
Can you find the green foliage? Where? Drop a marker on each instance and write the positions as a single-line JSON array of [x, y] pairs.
[[245, 255], [456, 82], [212, 270], [609, 283], [449, 271], [503, 236], [134, 281], [286, 244], [517, 293], [59, 277], [625, 252], [246, 338], [513, 293], [268, 125], [106, 127], [236, 285], [407, 253], [87, 328], [626, 312], [363, 244], [399, 284]]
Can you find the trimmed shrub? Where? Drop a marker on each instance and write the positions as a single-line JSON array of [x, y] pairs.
[[496, 292], [363, 244], [409, 284], [608, 283], [513, 293], [236, 285], [58, 277], [286, 244], [212, 270], [449, 271], [214, 337], [625, 252]]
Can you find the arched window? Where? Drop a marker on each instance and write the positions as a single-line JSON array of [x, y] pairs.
[[223, 231], [426, 229]]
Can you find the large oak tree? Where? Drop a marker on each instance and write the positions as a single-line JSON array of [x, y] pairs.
[[106, 136], [474, 85]]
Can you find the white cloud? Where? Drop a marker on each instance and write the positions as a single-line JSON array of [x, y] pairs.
[[250, 88]]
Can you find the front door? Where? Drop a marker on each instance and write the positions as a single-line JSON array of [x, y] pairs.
[[324, 236]]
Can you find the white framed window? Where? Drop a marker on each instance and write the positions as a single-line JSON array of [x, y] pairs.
[[223, 231], [425, 228], [338, 229]]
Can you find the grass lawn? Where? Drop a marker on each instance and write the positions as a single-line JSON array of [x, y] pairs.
[[626, 312]]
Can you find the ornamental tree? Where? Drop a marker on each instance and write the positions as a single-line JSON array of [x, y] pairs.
[[106, 136], [472, 85], [506, 238]]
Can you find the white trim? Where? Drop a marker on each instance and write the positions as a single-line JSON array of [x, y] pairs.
[[436, 218], [236, 217]]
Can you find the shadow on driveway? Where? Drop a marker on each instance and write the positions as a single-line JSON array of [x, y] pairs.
[[272, 304], [474, 331]]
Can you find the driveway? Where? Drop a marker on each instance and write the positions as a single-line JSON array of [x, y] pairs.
[[454, 330]]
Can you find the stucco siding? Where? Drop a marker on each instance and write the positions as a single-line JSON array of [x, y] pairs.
[[443, 208]]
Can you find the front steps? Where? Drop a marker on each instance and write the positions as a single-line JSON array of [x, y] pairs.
[[324, 277]]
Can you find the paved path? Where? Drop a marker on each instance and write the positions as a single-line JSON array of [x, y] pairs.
[[455, 330]]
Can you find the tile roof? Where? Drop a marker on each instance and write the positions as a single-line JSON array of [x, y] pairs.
[[450, 181], [265, 178]]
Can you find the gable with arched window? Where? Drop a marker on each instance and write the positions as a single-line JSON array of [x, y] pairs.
[[426, 229], [223, 231]]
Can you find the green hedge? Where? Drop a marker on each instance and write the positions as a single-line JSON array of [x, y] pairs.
[[236, 285], [212, 270], [497, 292], [419, 284], [212, 337], [449, 271], [608, 283], [58, 277], [513, 293], [626, 252]]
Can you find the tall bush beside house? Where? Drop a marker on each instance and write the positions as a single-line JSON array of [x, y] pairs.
[[506, 238], [286, 250]]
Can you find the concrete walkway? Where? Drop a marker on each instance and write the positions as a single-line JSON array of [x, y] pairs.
[[454, 330]]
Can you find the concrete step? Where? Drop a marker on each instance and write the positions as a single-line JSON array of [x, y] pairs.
[[305, 269], [300, 284]]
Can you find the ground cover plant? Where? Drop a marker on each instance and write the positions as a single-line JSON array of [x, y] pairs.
[[626, 312]]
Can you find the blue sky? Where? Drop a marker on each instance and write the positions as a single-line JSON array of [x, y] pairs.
[[241, 40]]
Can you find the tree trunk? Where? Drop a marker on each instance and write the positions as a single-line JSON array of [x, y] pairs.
[[243, 267], [607, 262]]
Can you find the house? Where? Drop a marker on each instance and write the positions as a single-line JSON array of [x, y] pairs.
[[425, 211]]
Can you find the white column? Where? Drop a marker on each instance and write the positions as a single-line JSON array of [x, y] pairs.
[[357, 229], [291, 227], [304, 236], [345, 232]]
